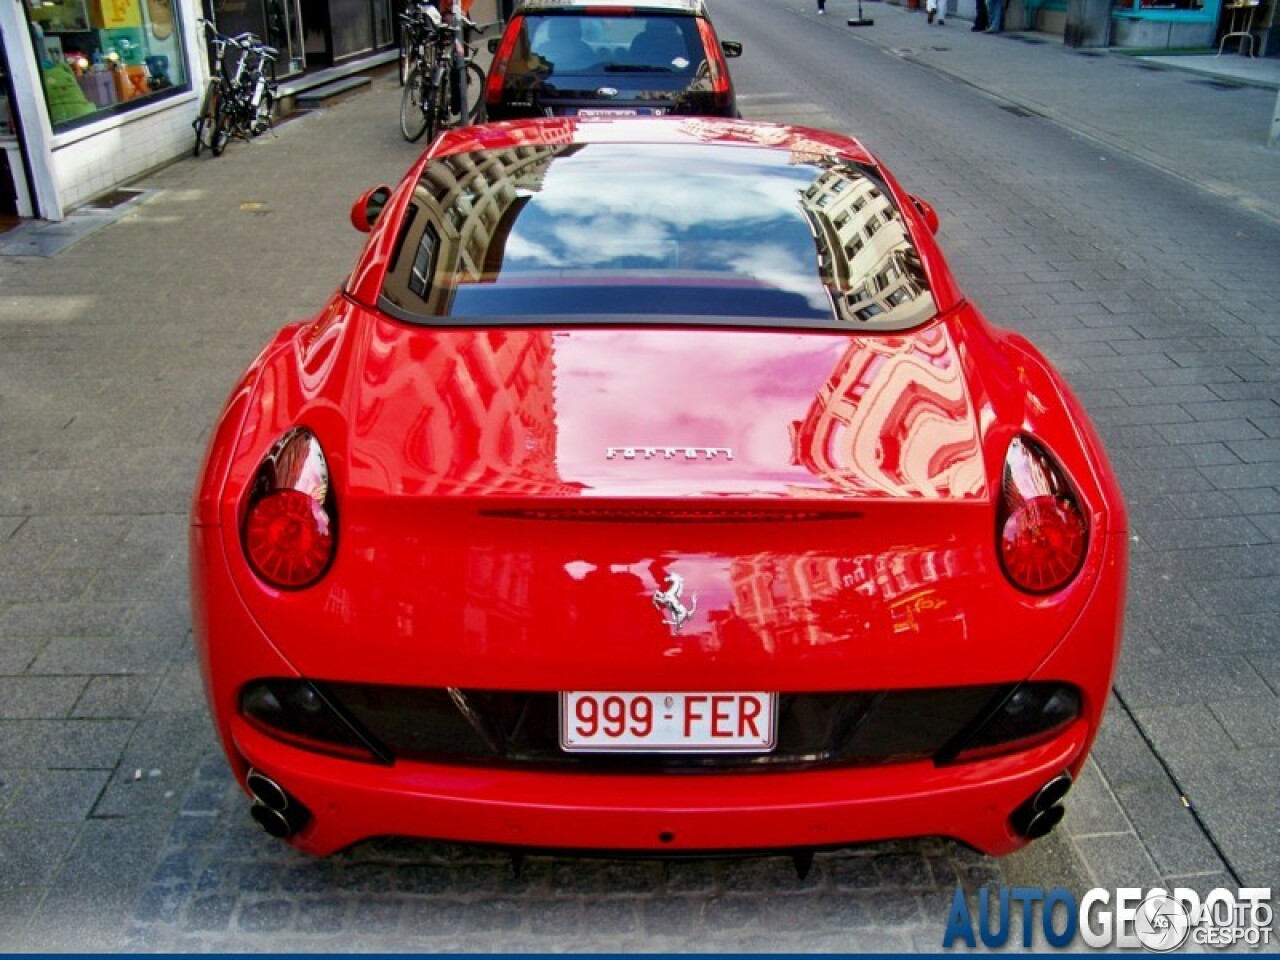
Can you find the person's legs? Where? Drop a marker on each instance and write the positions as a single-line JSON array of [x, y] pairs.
[[822, 6], [456, 100], [995, 16], [980, 18]]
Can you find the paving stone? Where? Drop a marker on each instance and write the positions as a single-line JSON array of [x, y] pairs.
[[32, 855], [265, 916], [1122, 856], [1092, 807], [669, 915], [30, 697], [1186, 681], [122, 696], [1229, 597], [1172, 836], [55, 796], [1250, 722], [318, 915], [78, 744]]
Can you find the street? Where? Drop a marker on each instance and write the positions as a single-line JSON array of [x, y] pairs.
[[1153, 289]]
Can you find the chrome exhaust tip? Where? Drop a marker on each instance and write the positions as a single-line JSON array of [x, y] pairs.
[[1051, 794], [1036, 816], [277, 812], [1042, 822], [266, 791]]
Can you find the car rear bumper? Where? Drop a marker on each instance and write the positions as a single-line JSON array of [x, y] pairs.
[[665, 814], [670, 813]]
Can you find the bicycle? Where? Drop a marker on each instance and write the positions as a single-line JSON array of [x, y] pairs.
[[429, 97], [238, 102]]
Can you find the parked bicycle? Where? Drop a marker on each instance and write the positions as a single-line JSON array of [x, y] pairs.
[[429, 100], [239, 99]]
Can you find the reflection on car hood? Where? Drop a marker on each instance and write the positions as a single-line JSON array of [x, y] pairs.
[[662, 413]]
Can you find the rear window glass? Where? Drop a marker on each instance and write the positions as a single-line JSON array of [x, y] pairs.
[[565, 45], [589, 232]]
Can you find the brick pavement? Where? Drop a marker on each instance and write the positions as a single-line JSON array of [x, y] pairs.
[[119, 826]]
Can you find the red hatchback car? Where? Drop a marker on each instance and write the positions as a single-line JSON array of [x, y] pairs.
[[650, 485]]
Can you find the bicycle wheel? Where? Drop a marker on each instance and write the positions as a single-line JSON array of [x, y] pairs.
[[475, 92], [414, 105], [262, 116], [222, 123], [438, 105], [204, 123], [402, 58]]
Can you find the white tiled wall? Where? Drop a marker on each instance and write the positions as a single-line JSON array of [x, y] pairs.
[[95, 164]]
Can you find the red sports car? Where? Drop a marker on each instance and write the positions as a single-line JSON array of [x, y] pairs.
[[650, 485]]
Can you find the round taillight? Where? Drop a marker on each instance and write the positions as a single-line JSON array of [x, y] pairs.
[[1042, 533], [288, 539], [1042, 544]]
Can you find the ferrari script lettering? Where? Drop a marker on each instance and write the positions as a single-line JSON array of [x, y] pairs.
[[669, 453]]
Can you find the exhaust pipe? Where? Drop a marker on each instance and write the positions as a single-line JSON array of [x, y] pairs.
[[274, 810], [1041, 812]]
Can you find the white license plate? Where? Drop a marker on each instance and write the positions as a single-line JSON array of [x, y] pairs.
[[606, 722], [603, 112]]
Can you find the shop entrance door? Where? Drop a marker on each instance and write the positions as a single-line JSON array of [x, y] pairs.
[[317, 40], [384, 34], [284, 32]]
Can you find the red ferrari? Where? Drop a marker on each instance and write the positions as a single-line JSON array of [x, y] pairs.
[[650, 485]]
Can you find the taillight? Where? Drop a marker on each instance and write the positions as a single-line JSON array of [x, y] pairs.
[[501, 60], [289, 530], [1042, 532], [716, 66]]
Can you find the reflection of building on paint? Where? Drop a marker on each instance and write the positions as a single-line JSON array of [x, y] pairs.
[[866, 259], [894, 418], [817, 599], [486, 417]]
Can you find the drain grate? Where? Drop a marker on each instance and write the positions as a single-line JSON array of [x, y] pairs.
[[115, 198], [1018, 111], [1221, 84]]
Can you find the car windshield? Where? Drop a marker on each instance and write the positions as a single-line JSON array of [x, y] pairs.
[[721, 234], [565, 45]]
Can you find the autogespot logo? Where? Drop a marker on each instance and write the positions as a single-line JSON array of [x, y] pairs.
[[1157, 920]]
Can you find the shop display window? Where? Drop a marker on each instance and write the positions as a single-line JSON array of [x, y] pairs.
[[99, 57]]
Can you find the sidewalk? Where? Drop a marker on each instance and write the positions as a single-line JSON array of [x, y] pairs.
[[1211, 128]]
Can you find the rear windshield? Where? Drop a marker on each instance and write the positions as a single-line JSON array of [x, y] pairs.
[[588, 232], [572, 45]]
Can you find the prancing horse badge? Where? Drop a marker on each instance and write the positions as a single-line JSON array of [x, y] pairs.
[[668, 601]]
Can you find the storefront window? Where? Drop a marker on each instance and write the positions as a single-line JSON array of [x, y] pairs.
[[98, 57]]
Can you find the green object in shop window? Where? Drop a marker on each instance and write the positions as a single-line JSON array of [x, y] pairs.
[[65, 98]]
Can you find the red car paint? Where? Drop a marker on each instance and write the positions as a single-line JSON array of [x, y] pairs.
[[510, 500]]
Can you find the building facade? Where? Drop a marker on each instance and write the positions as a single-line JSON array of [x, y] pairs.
[[94, 93]]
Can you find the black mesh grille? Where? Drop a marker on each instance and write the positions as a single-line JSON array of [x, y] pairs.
[[518, 729]]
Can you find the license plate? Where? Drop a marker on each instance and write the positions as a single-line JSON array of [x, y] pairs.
[[602, 112], [607, 722]]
